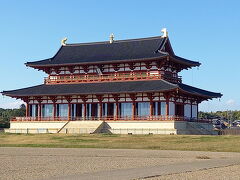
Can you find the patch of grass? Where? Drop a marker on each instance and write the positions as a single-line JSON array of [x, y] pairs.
[[203, 157], [110, 135], [161, 142]]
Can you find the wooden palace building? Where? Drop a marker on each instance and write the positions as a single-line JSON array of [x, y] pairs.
[[117, 86]]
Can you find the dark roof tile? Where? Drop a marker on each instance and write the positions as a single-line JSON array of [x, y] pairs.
[[107, 87], [122, 50]]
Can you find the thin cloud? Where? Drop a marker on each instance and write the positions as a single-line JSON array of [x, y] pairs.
[[231, 102], [11, 105]]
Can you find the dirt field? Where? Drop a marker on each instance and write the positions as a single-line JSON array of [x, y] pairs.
[[72, 163]]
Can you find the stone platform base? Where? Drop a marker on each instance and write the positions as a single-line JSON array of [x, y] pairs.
[[113, 127]]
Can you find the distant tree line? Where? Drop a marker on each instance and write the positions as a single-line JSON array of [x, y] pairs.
[[227, 115], [7, 114]]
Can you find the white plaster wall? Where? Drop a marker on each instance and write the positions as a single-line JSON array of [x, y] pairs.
[[162, 98], [105, 100], [74, 101], [145, 99], [64, 101], [139, 99]]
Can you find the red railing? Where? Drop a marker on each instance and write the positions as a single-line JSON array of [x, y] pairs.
[[88, 78], [127, 118], [40, 119]]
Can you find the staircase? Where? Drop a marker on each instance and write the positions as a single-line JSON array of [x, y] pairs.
[[63, 127], [199, 129], [82, 127]]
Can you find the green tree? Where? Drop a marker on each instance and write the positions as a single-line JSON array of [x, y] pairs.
[[7, 114]]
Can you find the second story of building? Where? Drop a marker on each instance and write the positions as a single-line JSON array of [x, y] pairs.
[[120, 60]]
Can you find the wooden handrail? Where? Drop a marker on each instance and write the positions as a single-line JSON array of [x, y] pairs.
[[61, 79]]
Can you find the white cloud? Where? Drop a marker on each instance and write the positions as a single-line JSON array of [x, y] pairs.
[[216, 105], [11, 105], [231, 102]]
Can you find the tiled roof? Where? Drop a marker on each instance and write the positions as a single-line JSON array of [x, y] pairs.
[[103, 52], [198, 92], [108, 87]]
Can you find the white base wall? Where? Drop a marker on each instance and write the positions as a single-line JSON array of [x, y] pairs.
[[133, 127], [35, 127], [114, 127]]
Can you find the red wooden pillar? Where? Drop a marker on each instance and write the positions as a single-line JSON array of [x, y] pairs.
[[39, 110], [117, 109], [116, 98], [133, 109], [150, 97], [27, 109], [167, 105], [100, 109], [151, 108], [69, 111], [133, 98], [84, 110], [54, 110], [39, 99]]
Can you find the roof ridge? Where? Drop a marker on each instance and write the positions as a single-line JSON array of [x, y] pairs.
[[115, 41]]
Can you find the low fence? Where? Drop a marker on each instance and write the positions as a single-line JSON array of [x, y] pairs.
[[92, 130], [231, 131], [142, 131], [78, 130], [51, 130], [32, 130]]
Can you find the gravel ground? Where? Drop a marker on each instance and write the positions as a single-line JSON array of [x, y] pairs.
[[223, 173], [48, 163]]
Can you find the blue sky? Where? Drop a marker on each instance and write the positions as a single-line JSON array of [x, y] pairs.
[[206, 31]]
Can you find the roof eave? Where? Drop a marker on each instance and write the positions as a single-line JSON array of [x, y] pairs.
[[96, 62], [190, 64], [201, 95], [72, 94]]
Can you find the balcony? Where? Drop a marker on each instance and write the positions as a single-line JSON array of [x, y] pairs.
[[89, 78]]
